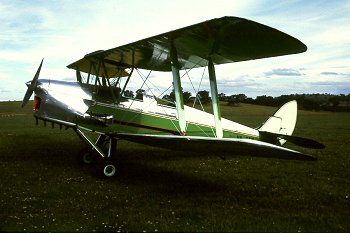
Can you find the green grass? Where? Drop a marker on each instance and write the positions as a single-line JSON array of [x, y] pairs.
[[45, 188]]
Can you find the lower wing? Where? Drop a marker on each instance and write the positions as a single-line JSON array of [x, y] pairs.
[[245, 147]]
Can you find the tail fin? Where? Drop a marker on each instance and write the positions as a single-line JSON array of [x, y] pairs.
[[282, 122]]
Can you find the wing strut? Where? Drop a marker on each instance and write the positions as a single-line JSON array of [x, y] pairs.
[[129, 76], [215, 99], [175, 67]]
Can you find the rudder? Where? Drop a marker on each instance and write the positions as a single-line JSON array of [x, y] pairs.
[[283, 121]]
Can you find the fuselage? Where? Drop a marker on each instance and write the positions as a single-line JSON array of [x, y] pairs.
[[102, 109]]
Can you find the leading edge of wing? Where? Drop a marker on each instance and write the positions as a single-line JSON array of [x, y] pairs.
[[234, 146], [227, 39]]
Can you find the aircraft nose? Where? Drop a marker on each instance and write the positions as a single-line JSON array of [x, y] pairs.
[[29, 84]]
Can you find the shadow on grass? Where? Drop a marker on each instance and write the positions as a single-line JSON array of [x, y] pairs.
[[163, 179], [154, 169]]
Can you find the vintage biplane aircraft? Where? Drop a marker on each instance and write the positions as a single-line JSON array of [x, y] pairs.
[[97, 102]]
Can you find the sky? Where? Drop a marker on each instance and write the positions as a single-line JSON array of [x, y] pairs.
[[64, 31]]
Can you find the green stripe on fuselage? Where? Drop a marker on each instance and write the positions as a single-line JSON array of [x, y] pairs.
[[132, 121]]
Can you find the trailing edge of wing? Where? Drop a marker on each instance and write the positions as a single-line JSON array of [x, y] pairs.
[[225, 40], [245, 147]]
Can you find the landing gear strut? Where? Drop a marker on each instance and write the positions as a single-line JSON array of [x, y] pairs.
[[106, 161], [108, 165]]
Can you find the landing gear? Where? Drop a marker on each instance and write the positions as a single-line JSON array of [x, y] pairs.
[[108, 166], [87, 157], [109, 169], [90, 155], [105, 161]]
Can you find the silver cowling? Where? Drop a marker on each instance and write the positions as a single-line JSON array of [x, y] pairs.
[[60, 100]]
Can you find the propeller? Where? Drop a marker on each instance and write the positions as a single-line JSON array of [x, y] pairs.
[[31, 86]]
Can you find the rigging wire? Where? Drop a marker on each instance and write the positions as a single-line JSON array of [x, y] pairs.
[[155, 100], [146, 80], [196, 93], [144, 83]]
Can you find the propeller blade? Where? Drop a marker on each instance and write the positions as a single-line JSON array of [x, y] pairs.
[[32, 85], [27, 97]]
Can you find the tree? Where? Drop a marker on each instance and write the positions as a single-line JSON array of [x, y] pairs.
[[236, 99], [335, 100], [265, 100], [204, 96], [186, 96], [222, 96]]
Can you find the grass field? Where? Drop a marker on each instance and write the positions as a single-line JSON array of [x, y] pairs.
[[45, 188]]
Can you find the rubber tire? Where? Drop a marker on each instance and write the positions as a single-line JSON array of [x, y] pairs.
[[109, 170], [87, 158]]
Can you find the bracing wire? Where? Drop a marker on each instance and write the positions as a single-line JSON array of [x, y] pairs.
[[148, 83], [145, 79], [196, 93]]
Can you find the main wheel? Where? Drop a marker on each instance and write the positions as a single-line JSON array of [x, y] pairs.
[[87, 157], [109, 169]]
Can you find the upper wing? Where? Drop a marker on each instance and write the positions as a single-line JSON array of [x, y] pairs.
[[234, 146], [109, 70], [226, 39]]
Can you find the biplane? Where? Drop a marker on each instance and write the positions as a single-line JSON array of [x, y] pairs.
[[97, 102]]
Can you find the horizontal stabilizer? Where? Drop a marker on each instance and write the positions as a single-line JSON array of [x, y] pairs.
[[233, 146], [299, 141]]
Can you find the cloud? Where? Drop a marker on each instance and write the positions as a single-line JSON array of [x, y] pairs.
[[283, 72], [64, 31], [330, 73], [340, 75], [332, 87]]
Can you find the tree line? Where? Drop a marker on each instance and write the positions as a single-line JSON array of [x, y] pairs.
[[312, 102]]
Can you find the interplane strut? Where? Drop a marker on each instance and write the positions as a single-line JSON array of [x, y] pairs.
[[214, 98], [177, 89]]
